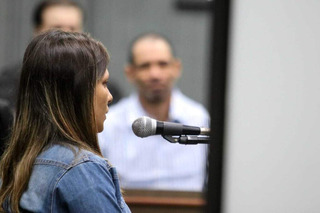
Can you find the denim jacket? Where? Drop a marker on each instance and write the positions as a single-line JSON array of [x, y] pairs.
[[66, 180]]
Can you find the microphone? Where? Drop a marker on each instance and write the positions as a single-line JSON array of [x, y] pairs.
[[145, 126]]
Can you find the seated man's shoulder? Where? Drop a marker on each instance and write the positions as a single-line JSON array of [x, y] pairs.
[[11, 71], [4, 104], [186, 104]]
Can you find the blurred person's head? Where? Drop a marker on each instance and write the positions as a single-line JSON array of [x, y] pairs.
[[152, 67], [63, 98], [58, 14]]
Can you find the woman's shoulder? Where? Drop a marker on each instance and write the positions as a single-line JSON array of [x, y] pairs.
[[67, 156], [74, 175]]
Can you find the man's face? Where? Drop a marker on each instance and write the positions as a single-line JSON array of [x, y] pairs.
[[154, 70], [66, 18]]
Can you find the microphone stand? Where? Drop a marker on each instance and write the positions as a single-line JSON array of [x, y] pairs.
[[187, 139]]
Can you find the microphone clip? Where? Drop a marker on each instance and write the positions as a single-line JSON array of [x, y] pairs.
[[187, 139]]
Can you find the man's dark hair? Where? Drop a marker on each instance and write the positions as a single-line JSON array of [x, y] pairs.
[[37, 14], [151, 35]]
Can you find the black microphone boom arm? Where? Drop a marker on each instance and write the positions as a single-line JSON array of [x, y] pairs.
[[187, 139]]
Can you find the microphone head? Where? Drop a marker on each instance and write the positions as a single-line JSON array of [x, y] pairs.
[[144, 127]]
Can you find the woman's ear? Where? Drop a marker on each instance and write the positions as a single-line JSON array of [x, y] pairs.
[[129, 72], [177, 68]]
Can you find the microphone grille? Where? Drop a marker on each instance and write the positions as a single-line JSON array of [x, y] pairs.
[[144, 127]]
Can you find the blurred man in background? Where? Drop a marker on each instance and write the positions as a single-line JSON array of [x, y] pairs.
[[153, 162], [48, 14], [65, 15], [59, 14]]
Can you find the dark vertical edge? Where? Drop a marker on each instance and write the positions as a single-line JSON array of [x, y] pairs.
[[219, 54]]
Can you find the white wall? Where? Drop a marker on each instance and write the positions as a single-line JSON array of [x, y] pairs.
[[273, 116]]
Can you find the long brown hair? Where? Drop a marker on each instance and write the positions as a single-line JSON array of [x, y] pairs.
[[55, 103]]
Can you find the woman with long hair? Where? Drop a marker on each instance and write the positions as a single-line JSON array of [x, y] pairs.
[[53, 162]]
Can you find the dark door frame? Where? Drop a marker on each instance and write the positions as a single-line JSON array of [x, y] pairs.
[[218, 79]]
